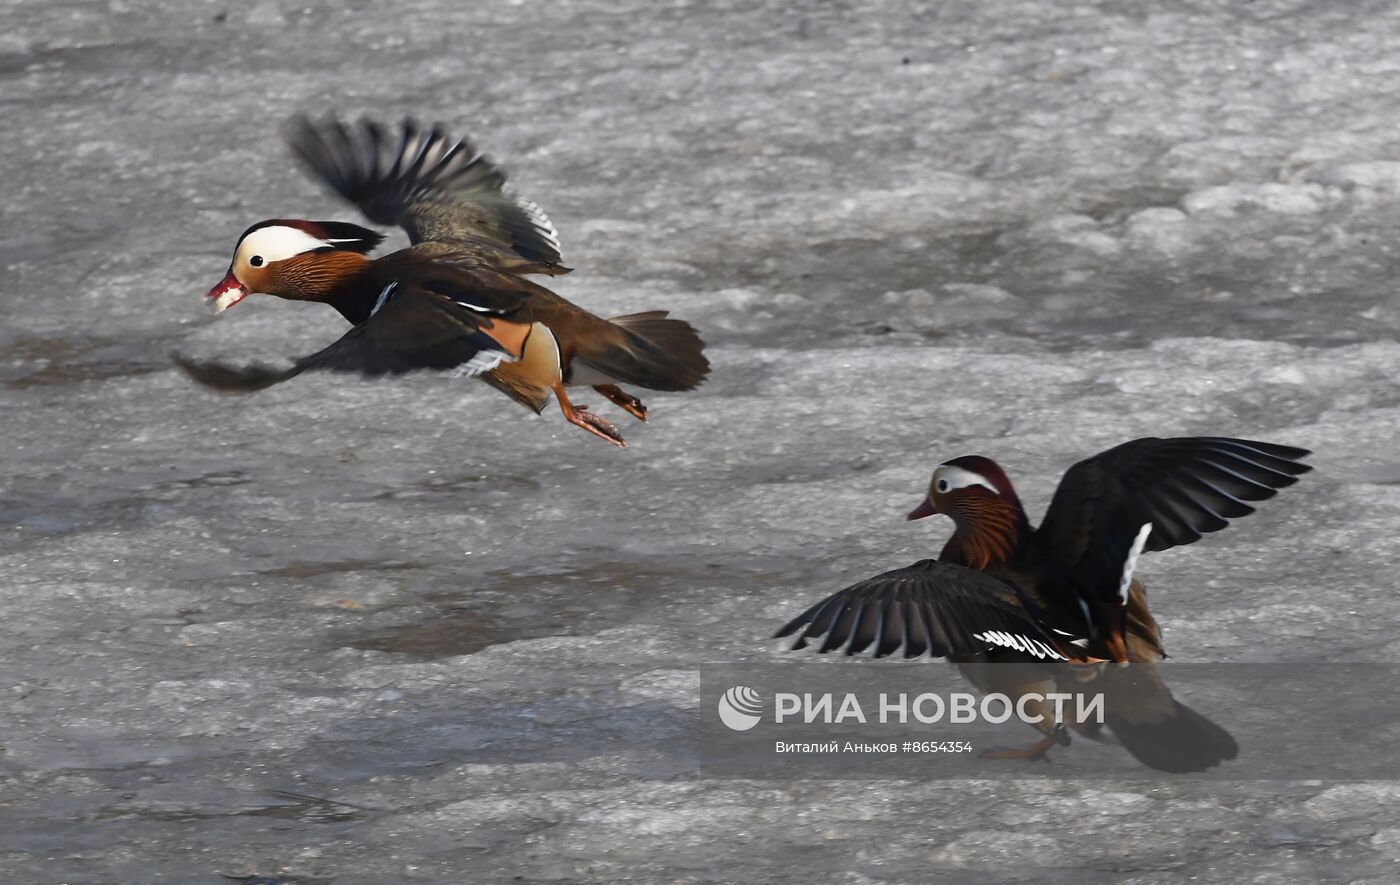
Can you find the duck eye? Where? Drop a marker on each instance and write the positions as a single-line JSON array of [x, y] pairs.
[[943, 485], [256, 261]]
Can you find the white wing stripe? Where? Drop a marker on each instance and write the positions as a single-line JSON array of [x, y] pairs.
[[1130, 564], [474, 307], [480, 364], [383, 297], [536, 216], [1019, 643]]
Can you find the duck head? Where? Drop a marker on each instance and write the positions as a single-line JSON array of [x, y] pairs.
[[987, 515], [291, 258]]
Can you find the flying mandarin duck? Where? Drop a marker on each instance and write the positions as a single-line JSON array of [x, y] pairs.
[[457, 299]]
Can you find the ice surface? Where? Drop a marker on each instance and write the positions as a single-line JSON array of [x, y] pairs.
[[407, 632]]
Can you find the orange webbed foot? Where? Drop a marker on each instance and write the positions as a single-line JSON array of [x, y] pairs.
[[623, 400], [581, 417]]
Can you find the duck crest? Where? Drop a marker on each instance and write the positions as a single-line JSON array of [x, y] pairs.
[[340, 236]]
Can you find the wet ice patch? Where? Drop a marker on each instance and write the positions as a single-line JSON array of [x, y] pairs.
[[1230, 199]]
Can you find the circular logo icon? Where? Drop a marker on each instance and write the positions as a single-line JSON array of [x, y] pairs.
[[740, 708]]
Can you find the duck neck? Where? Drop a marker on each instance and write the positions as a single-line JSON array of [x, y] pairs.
[[340, 278], [989, 531], [355, 290], [356, 300]]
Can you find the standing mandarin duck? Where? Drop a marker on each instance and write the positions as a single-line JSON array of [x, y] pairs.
[[456, 299], [1064, 594]]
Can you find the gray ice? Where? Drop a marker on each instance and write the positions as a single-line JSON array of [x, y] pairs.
[[405, 631]]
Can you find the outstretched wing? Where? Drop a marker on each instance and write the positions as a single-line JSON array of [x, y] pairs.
[[1152, 494], [411, 328], [929, 607], [437, 188]]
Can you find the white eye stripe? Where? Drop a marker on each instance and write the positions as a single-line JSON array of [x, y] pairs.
[[951, 478], [277, 242]]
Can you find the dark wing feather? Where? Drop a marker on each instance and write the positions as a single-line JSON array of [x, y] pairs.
[[1184, 487], [415, 329], [930, 607], [437, 188], [450, 272]]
